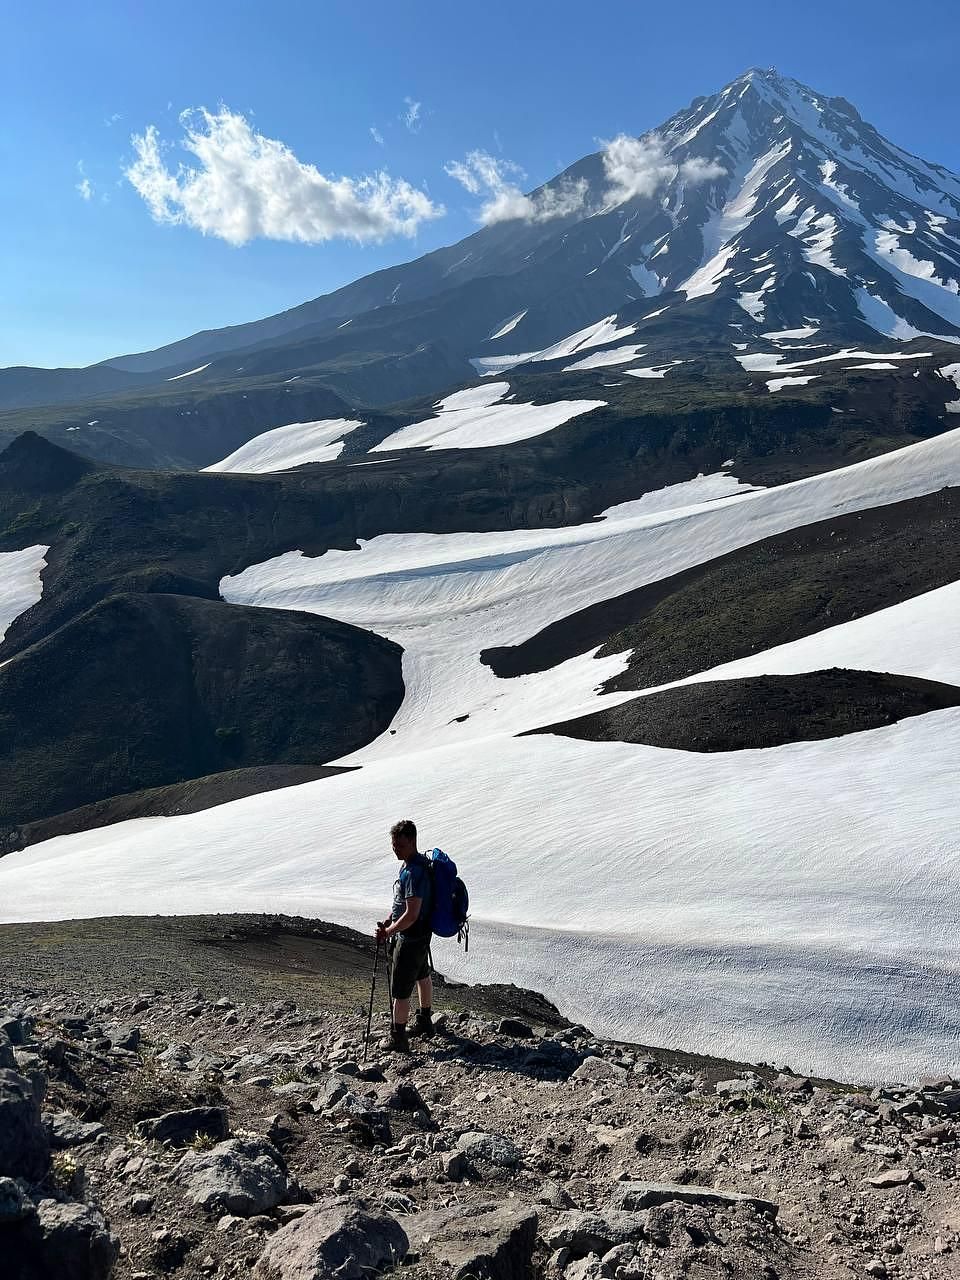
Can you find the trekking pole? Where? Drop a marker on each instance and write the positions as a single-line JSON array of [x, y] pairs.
[[373, 987]]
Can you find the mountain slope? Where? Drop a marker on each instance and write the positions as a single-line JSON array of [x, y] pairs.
[[767, 206]]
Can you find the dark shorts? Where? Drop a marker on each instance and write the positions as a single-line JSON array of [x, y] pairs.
[[409, 964]]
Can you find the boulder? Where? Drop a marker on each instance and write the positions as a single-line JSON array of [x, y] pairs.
[[66, 1130], [402, 1097], [599, 1069], [494, 1148], [14, 1205], [637, 1196], [342, 1240], [182, 1127], [243, 1176], [24, 1147], [124, 1038], [61, 1242], [13, 1029], [584, 1233], [7, 1057], [486, 1242], [514, 1027]]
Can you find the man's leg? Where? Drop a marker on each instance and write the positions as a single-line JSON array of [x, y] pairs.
[[425, 992], [401, 1012]]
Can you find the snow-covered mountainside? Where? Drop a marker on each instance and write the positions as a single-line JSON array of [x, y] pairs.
[[768, 207], [799, 901], [620, 548]]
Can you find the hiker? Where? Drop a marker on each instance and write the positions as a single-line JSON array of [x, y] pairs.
[[407, 934]]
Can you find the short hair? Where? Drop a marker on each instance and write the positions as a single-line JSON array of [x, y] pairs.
[[406, 828]]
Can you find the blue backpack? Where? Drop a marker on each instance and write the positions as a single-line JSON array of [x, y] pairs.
[[451, 902]]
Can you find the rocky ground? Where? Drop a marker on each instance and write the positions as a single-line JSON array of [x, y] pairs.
[[156, 1128]]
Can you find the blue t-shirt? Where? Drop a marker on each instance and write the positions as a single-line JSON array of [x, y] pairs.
[[414, 881]]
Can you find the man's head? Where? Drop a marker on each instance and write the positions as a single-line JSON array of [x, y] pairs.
[[403, 837]]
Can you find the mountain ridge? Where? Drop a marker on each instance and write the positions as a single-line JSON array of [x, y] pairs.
[[845, 226]]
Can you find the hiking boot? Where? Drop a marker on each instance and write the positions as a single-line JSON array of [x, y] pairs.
[[398, 1039], [423, 1023]]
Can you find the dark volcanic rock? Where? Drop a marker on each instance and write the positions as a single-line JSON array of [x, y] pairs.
[[66, 1130], [24, 1147], [487, 1242], [181, 1127], [346, 1241], [243, 1176]]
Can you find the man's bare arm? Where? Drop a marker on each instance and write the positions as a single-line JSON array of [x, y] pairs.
[[411, 915]]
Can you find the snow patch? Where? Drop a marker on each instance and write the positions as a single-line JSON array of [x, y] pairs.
[[289, 446], [777, 384], [190, 372], [21, 585], [473, 419], [601, 359], [507, 326]]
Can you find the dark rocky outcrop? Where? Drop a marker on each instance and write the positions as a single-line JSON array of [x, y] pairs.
[[147, 690], [762, 711]]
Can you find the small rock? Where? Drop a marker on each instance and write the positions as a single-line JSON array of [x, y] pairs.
[[596, 1232], [453, 1165], [75, 1242], [495, 1148], [636, 1196], [891, 1178], [65, 1130]]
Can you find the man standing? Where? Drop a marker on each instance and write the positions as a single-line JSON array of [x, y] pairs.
[[407, 933]]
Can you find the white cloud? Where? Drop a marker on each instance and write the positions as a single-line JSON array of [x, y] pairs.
[[111, 120], [411, 117], [377, 136], [641, 166], [244, 185], [482, 173], [84, 186]]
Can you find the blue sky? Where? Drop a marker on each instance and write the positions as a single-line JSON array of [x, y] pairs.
[[86, 272]]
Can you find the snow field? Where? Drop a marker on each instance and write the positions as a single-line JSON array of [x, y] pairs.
[[600, 334], [796, 904], [290, 446], [475, 419], [20, 583], [446, 597]]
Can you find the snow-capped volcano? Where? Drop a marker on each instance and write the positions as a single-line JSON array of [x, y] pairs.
[[783, 208], [767, 206]]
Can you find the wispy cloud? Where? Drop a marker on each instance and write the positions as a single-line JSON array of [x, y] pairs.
[[242, 185], [377, 136], [84, 186], [411, 117], [111, 120], [483, 174], [637, 167]]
